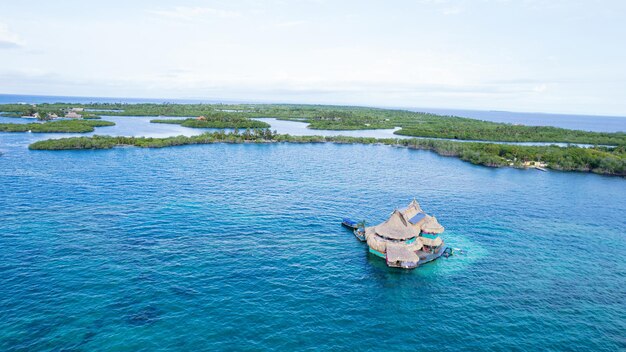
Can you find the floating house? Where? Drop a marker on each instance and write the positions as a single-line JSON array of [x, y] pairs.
[[408, 238]]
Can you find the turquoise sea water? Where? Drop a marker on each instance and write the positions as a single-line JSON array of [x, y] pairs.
[[239, 247]]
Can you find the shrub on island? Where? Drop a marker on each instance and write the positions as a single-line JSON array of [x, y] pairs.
[[56, 126]]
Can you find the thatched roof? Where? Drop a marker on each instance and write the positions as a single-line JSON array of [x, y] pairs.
[[396, 228], [380, 244], [401, 253], [402, 225], [431, 225], [416, 216], [412, 209]]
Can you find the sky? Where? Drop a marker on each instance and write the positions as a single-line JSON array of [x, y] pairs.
[[527, 55]]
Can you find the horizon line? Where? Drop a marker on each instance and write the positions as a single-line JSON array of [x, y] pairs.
[[237, 101]]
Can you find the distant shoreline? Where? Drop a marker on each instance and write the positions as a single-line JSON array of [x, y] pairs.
[[591, 122], [324, 117]]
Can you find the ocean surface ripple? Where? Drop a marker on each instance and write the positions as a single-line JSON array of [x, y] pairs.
[[239, 247]]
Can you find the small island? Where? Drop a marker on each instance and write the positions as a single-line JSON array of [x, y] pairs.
[[58, 126], [216, 120], [600, 160]]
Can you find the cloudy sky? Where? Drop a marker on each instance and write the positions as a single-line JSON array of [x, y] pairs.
[[527, 55]]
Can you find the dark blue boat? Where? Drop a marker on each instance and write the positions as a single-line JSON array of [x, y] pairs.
[[350, 223]]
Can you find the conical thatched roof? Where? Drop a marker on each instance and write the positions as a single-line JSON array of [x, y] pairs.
[[424, 222], [396, 228], [412, 209], [431, 225], [405, 224]]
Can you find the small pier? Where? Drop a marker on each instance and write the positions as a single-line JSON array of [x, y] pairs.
[[358, 228]]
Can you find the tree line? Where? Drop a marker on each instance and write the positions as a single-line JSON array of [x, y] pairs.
[[601, 160]]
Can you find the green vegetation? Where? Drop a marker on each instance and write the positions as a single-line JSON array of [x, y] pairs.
[[467, 129], [216, 120], [601, 160], [435, 126], [44, 110], [69, 126], [346, 118]]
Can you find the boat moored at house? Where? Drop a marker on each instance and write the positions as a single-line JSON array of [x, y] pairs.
[[359, 233], [351, 224], [357, 228]]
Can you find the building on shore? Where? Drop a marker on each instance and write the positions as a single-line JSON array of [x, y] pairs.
[[73, 115], [407, 239]]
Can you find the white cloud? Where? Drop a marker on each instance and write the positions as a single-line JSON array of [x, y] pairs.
[[9, 39], [191, 13], [290, 23], [449, 11], [323, 51]]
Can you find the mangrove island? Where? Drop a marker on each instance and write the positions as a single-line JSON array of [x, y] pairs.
[[326, 117], [58, 126], [599, 159]]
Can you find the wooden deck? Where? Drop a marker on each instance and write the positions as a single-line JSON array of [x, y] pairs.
[[425, 257]]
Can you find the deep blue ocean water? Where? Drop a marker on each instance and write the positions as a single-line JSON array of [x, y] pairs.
[[239, 247]]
